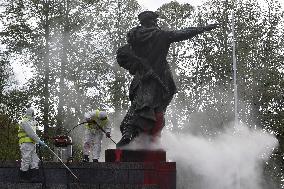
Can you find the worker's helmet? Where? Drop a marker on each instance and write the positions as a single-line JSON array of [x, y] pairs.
[[30, 112], [102, 115]]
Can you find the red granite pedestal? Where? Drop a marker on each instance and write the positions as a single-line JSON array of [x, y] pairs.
[[155, 171]]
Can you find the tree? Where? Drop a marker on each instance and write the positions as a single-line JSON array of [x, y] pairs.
[[208, 86], [175, 16], [9, 149]]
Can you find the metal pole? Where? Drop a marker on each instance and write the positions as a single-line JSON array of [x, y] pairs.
[[235, 72], [62, 162], [238, 184]]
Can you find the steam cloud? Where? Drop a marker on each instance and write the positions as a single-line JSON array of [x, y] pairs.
[[234, 159]]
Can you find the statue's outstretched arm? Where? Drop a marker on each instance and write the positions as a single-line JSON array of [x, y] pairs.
[[188, 33]]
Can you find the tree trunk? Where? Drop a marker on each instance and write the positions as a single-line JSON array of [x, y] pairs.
[[46, 92]]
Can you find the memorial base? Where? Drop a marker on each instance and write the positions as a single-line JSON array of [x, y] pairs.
[[130, 172]]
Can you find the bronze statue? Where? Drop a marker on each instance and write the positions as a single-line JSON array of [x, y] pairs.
[[153, 87]]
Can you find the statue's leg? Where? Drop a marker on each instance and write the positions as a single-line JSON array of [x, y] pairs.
[[127, 128], [155, 132]]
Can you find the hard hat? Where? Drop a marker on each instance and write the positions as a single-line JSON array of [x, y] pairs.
[[30, 112], [102, 115]]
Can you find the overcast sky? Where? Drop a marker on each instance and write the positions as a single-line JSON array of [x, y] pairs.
[[154, 4]]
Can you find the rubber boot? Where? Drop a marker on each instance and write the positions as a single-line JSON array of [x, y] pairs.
[[35, 176], [24, 176], [86, 158]]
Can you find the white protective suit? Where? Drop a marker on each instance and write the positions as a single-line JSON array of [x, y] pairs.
[[29, 158], [93, 135]]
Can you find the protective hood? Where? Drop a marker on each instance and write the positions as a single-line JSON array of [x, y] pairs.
[[30, 112]]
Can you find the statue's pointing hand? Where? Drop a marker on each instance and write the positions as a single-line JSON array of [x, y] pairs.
[[211, 27]]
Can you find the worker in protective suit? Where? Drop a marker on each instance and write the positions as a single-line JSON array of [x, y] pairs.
[[97, 124], [29, 170]]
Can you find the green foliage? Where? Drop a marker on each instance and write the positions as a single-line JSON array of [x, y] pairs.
[[176, 16], [71, 46], [204, 76], [9, 147]]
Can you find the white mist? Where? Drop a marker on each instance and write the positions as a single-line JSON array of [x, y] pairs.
[[232, 160]]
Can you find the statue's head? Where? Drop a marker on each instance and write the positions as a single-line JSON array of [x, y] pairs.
[[148, 19]]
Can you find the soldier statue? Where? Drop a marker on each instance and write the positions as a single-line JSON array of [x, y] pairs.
[[153, 87]]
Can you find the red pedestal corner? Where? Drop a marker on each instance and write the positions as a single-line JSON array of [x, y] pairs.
[[155, 169]]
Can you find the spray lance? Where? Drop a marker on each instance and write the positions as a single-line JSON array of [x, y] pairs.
[[74, 127], [100, 127], [97, 125], [106, 133], [43, 144]]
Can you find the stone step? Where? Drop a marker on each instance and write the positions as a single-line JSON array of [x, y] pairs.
[[101, 173], [74, 186], [20, 186], [118, 155]]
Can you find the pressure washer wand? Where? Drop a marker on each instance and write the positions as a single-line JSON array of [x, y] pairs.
[[100, 127], [106, 133], [62, 162], [74, 128]]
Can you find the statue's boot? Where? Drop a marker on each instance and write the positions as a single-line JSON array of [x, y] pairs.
[[127, 136], [123, 142]]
